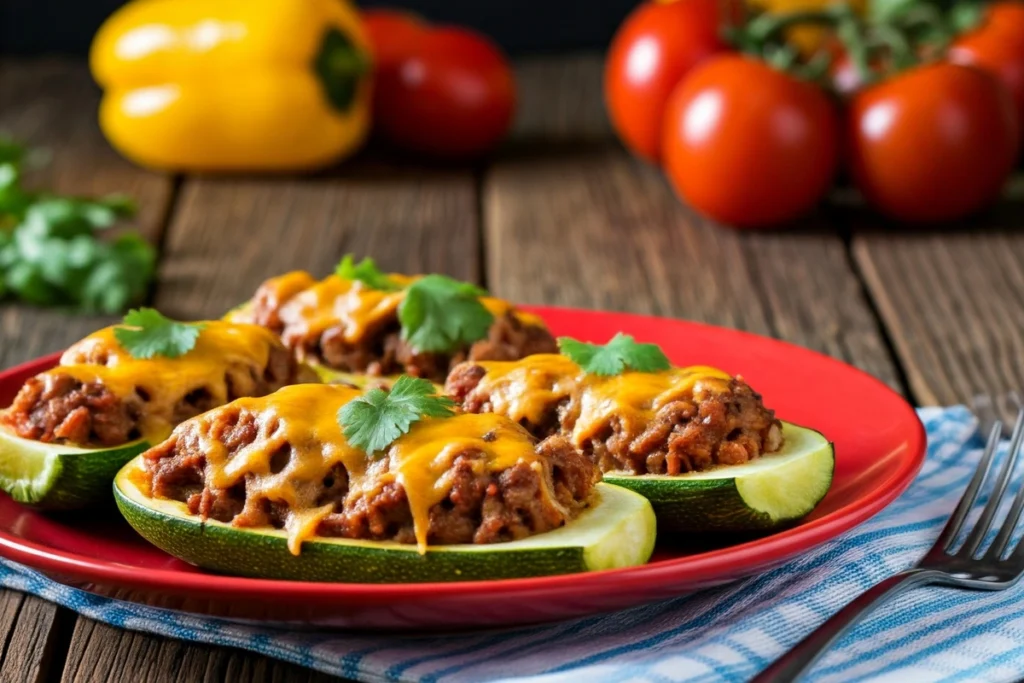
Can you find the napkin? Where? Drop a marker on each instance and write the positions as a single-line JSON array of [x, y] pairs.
[[723, 634]]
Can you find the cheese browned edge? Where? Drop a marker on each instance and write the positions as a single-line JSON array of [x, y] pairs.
[[304, 419], [311, 307], [523, 390], [221, 348]]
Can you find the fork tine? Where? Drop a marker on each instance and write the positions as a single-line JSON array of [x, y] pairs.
[[981, 529], [999, 546], [956, 521]]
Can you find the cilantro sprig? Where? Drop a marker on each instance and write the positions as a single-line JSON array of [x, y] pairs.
[[618, 355], [373, 421], [50, 253], [146, 333], [365, 271], [439, 314]]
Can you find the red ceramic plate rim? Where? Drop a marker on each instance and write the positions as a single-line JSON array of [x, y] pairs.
[[725, 562]]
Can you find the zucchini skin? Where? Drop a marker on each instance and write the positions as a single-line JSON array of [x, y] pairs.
[[74, 480], [711, 506], [264, 553], [717, 504]]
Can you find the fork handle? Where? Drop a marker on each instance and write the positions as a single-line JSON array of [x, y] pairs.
[[795, 662]]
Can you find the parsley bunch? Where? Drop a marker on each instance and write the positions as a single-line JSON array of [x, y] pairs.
[[621, 353], [49, 251], [373, 421]]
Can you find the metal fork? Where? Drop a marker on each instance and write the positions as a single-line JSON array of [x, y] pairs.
[[997, 567]]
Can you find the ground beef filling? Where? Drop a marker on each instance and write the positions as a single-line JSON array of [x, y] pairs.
[[57, 408], [382, 351], [715, 429], [480, 508]]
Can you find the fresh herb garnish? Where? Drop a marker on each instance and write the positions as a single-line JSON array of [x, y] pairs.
[[365, 271], [439, 314], [50, 254], [621, 353], [147, 333], [374, 420]]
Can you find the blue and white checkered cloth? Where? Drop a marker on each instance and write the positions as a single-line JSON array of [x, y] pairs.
[[724, 634]]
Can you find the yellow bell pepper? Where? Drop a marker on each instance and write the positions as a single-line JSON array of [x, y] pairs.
[[233, 85]]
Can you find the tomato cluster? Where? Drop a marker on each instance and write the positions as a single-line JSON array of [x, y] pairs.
[[438, 90], [751, 144]]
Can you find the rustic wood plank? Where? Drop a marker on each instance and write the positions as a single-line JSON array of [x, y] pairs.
[[49, 105], [101, 653], [599, 229], [230, 235], [953, 302], [227, 236], [560, 101], [35, 638]]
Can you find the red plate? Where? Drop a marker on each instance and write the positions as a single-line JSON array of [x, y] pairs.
[[879, 443]]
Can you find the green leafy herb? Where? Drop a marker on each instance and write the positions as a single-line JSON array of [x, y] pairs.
[[373, 421], [146, 333], [50, 254], [365, 271], [439, 314], [621, 353]]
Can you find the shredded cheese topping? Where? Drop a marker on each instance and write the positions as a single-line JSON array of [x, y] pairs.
[[301, 422], [224, 352], [527, 388], [310, 308]]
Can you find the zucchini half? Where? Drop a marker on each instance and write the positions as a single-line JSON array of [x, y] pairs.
[[59, 477], [764, 494], [617, 531]]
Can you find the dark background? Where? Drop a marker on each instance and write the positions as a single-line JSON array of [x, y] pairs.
[[521, 26]]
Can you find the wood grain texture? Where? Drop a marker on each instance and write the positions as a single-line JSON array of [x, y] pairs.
[[953, 302], [228, 236], [50, 106], [599, 229], [101, 654], [34, 636], [560, 102]]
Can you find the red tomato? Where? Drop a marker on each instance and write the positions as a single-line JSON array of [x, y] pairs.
[[659, 43], [934, 143], [998, 46], [748, 145], [393, 34], [443, 91]]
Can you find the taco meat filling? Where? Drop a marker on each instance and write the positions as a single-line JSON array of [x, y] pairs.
[[299, 488], [682, 420], [351, 328], [93, 399]]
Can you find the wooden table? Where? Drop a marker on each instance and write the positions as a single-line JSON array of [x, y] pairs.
[[561, 216]]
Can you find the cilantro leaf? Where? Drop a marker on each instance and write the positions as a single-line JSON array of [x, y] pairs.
[[621, 353], [50, 254], [365, 271], [146, 333], [374, 420], [439, 314]]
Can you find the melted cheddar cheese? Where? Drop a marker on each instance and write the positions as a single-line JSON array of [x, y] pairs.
[[221, 349], [526, 390], [309, 308], [301, 422]]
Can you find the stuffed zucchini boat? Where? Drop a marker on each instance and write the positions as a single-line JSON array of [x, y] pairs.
[[361, 320], [121, 389], [697, 442], [329, 483]]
